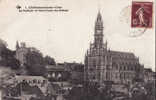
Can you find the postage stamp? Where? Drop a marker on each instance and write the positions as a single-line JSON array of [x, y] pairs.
[[141, 14]]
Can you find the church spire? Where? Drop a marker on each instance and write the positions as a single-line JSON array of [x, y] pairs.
[[99, 17], [99, 22], [98, 36]]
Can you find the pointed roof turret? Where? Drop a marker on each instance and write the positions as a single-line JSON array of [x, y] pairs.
[[17, 45], [99, 21], [99, 17]]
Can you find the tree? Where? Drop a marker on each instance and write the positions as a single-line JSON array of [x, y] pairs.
[[49, 60], [8, 59], [35, 63], [3, 44], [8, 56], [151, 92], [6, 77], [89, 91], [138, 92]]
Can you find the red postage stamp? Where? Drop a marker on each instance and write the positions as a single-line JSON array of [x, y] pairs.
[[142, 14]]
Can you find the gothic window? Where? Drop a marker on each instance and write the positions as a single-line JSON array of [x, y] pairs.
[[94, 77], [107, 76], [107, 67], [123, 75], [124, 67], [116, 66], [94, 63], [132, 68], [116, 75], [99, 61], [120, 75], [120, 67]]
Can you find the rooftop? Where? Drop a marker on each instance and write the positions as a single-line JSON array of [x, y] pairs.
[[29, 77]]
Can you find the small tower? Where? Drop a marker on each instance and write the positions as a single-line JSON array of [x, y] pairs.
[[17, 45]]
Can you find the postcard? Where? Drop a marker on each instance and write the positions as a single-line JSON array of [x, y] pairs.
[[77, 50]]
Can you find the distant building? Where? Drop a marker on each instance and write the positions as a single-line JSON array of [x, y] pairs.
[[103, 65], [77, 72], [149, 75], [21, 51], [39, 81], [57, 73], [73, 72]]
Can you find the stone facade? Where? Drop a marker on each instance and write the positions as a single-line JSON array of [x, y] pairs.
[[102, 64], [21, 51]]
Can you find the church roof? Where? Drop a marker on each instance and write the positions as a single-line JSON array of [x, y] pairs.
[[122, 54]]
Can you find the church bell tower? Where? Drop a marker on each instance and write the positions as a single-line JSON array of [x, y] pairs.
[[95, 58], [98, 35]]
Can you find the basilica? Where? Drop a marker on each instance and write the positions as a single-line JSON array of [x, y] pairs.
[[103, 65]]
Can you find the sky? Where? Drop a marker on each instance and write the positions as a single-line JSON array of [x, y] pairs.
[[66, 35]]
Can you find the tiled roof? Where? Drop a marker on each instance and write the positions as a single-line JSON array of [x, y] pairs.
[[55, 67]]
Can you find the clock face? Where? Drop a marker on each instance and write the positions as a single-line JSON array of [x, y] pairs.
[[98, 31]]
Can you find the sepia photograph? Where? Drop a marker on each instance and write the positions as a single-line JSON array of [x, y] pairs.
[[77, 50]]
